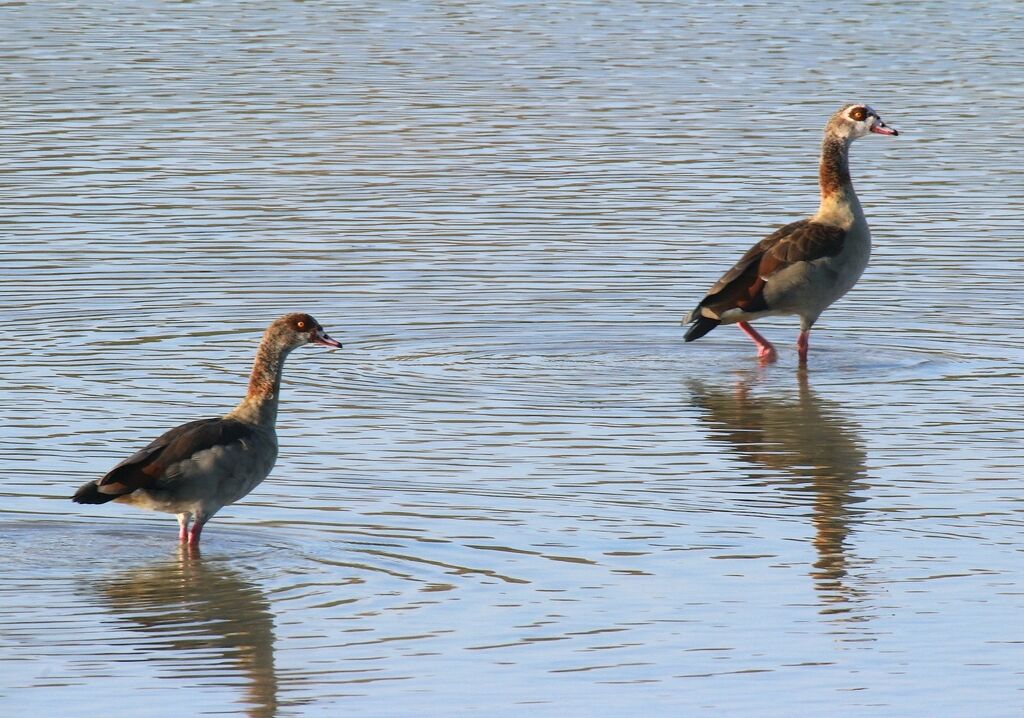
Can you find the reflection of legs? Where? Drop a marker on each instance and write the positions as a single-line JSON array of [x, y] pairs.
[[803, 344], [765, 350]]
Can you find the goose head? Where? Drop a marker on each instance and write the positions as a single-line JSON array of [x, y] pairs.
[[855, 121], [295, 330]]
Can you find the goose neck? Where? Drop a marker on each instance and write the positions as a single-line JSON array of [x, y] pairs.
[[834, 169], [260, 403], [839, 203]]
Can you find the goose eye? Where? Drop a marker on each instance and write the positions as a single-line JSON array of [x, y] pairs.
[[858, 114]]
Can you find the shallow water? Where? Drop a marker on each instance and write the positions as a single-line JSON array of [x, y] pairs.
[[515, 491]]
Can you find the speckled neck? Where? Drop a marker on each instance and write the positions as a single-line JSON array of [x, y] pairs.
[[834, 171], [260, 403], [839, 203]]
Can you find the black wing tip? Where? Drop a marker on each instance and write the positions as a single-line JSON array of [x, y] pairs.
[[90, 494], [701, 326]]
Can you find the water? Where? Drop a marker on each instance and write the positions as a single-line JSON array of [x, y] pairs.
[[515, 491]]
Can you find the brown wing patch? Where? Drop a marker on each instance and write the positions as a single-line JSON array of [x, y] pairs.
[[743, 291], [754, 255], [805, 244], [742, 287], [144, 468]]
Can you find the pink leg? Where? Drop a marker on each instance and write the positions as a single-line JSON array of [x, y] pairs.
[[765, 350], [802, 345], [193, 535], [183, 520]]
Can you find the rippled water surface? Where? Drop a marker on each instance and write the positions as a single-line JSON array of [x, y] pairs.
[[515, 491]]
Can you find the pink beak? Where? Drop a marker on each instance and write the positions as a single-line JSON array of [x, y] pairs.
[[321, 337], [880, 128]]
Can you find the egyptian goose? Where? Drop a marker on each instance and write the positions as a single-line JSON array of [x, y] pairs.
[[197, 468], [805, 266]]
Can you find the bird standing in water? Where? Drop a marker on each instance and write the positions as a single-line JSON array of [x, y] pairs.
[[807, 265], [196, 469]]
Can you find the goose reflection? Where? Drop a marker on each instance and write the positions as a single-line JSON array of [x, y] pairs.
[[807, 441], [209, 620]]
